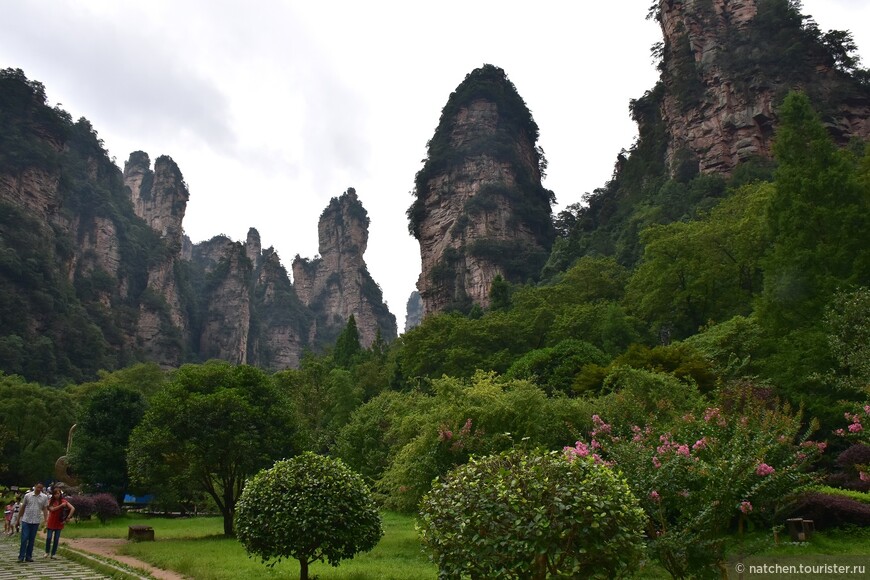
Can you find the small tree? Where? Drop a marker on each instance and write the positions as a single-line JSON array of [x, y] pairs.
[[519, 515], [309, 508]]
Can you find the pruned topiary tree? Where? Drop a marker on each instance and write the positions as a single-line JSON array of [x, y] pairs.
[[532, 515], [311, 508]]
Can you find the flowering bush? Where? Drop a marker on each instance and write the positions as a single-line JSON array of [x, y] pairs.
[[105, 506], [532, 515], [733, 462], [84, 505], [857, 431]]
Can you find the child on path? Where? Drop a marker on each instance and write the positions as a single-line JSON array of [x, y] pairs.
[[7, 523]]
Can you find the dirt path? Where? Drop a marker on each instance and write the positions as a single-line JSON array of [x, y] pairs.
[[108, 548]]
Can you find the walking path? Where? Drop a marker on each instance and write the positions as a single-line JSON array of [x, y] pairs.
[[59, 567], [66, 569]]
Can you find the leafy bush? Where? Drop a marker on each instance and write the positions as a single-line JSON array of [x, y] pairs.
[[309, 508], [519, 515], [853, 464], [828, 511], [84, 506], [859, 496], [105, 506]]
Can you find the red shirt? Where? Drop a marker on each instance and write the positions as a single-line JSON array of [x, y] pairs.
[[54, 522]]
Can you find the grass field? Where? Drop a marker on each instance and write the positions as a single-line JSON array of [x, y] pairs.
[[196, 547]]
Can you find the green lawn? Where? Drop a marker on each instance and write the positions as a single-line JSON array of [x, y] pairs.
[[196, 547]]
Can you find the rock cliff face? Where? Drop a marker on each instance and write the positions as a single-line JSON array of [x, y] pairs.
[[480, 209], [226, 300], [96, 272], [338, 284], [413, 311], [725, 71], [160, 198]]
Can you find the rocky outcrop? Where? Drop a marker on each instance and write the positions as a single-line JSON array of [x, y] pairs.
[[413, 311], [724, 74], [480, 209], [226, 300], [280, 328], [160, 198], [337, 284]]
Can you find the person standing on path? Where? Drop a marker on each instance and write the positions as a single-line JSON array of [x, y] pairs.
[[59, 510], [32, 512]]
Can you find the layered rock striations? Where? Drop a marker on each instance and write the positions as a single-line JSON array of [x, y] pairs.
[[727, 64], [480, 210], [337, 284]]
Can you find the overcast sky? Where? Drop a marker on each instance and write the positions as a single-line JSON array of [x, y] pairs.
[[271, 108]]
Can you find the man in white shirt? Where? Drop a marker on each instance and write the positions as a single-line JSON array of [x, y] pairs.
[[33, 511]]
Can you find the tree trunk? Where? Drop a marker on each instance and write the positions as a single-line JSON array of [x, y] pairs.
[[303, 568]]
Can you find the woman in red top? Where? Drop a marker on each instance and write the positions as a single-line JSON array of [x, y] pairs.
[[56, 519]]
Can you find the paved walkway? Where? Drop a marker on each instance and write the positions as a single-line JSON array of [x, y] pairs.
[[42, 568]]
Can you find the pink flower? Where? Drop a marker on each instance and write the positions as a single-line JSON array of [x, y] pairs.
[[710, 414], [595, 444], [654, 495], [839, 432], [445, 434], [600, 426], [822, 446], [580, 449], [864, 476], [867, 409], [656, 462], [685, 493], [764, 470], [855, 428], [700, 444], [683, 450], [466, 429], [745, 507]]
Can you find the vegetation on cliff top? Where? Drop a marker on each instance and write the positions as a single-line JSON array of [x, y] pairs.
[[516, 128]]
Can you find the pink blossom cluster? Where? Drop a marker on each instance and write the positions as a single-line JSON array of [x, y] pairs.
[[714, 413], [581, 449], [701, 444], [745, 507], [654, 495], [600, 426], [764, 470], [444, 433], [639, 434], [856, 426]]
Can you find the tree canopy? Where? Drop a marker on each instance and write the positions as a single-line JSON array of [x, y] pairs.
[[209, 429]]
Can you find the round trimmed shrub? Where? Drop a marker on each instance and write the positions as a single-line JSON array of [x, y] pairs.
[[105, 506], [532, 515], [311, 508]]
